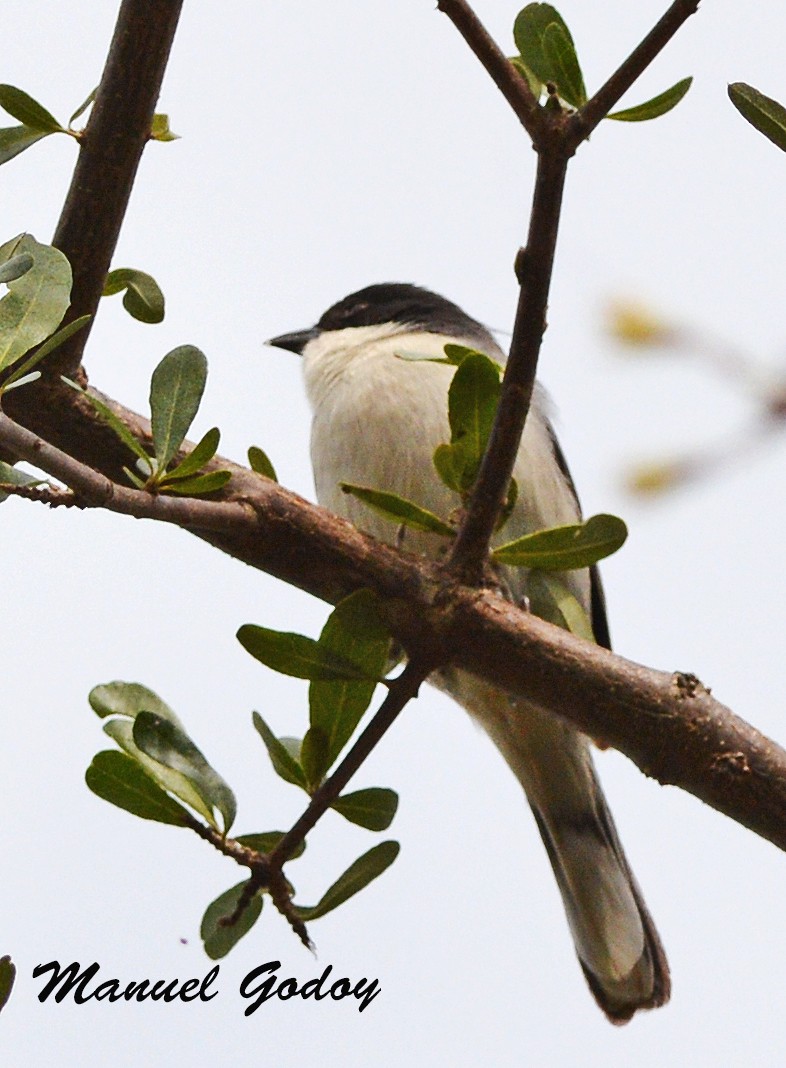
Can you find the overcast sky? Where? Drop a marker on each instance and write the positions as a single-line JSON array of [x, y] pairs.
[[325, 147]]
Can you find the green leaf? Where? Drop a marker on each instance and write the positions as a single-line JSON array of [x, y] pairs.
[[197, 485], [400, 510], [198, 457], [295, 655], [457, 354], [355, 878], [118, 778], [472, 405], [14, 477], [766, 114], [123, 702], [373, 808], [121, 731], [315, 754], [266, 842], [535, 84], [160, 129], [163, 741], [7, 977], [548, 52], [36, 302], [284, 764], [116, 424], [219, 939], [20, 105], [550, 599], [566, 548], [16, 267], [561, 54], [259, 461], [143, 299], [659, 105], [128, 699], [448, 465], [15, 139], [53, 342], [176, 389], [355, 633], [83, 107]]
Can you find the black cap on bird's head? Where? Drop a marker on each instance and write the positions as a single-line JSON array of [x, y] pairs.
[[390, 302]]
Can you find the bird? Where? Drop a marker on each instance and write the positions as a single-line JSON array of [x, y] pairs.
[[377, 419]]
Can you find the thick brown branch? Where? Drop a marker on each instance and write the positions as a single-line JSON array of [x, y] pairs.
[[671, 728], [110, 149]]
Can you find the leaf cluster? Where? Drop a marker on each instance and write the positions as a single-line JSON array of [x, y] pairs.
[[548, 59], [176, 389], [37, 122], [38, 278]]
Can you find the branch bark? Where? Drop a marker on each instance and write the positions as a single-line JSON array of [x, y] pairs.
[[110, 149], [669, 725]]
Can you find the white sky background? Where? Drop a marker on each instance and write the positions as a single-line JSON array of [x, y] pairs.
[[325, 147]]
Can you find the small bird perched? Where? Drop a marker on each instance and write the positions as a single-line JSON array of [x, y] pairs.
[[377, 421]]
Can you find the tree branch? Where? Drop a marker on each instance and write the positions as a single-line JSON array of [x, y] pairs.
[[402, 691], [668, 725], [534, 267], [111, 147], [584, 121], [507, 79]]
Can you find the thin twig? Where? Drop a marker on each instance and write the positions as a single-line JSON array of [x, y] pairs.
[[584, 121], [510, 83], [400, 693], [534, 269], [94, 490]]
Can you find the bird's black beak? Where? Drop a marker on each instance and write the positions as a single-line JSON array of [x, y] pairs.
[[295, 342]]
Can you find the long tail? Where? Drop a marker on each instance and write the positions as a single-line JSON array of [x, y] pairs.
[[616, 941]]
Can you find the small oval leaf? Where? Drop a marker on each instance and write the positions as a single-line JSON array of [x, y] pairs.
[[295, 655], [259, 461], [659, 105], [284, 764], [762, 112], [36, 302], [373, 808], [355, 632], [197, 485], [565, 548], [355, 878], [219, 938], [550, 599], [176, 390], [198, 457], [143, 299], [15, 139], [16, 267], [547, 50], [266, 842], [166, 743], [399, 509], [7, 977], [20, 105], [120, 698], [117, 778]]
